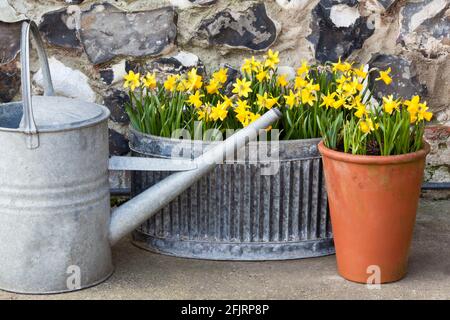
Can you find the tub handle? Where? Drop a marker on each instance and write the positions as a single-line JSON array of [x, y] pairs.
[[29, 124]]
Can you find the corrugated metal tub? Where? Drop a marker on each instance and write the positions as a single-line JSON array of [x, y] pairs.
[[236, 213]]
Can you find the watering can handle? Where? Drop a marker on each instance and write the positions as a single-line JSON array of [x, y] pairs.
[[29, 125]]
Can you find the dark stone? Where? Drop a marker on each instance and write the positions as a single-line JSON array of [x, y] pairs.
[[332, 42], [73, 1], [386, 3], [437, 26], [232, 75], [56, 28], [404, 84], [9, 41], [115, 101], [107, 75], [203, 2], [250, 29], [9, 81], [107, 32], [118, 144]]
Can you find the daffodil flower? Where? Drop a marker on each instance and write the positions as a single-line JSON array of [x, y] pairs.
[[242, 88], [328, 100], [221, 75], [281, 80], [149, 81], [132, 80], [384, 75], [291, 99], [195, 99], [389, 104]]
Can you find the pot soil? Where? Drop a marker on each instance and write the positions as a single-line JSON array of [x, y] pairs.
[[373, 202]]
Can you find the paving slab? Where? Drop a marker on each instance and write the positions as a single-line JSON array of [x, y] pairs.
[[143, 275]]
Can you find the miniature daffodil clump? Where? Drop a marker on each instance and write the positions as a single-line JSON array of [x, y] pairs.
[[333, 100]]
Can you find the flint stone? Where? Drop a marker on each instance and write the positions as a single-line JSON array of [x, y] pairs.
[[9, 81], [67, 82], [249, 29], [9, 41], [114, 73], [333, 36], [386, 3], [292, 4], [58, 28], [8, 13], [183, 4], [118, 144], [404, 84], [115, 101], [425, 16], [107, 32]]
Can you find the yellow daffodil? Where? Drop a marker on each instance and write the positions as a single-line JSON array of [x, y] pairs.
[[307, 97], [389, 104], [291, 99], [412, 106], [221, 75], [262, 99], [304, 68], [282, 81], [384, 75], [219, 112], [254, 116], [328, 100], [195, 99], [213, 87], [272, 59], [242, 88], [423, 114], [262, 75], [204, 113], [300, 83], [149, 80], [132, 80], [361, 111], [313, 86], [360, 72], [338, 103], [251, 65], [343, 67], [366, 125], [226, 101], [171, 83], [194, 81]]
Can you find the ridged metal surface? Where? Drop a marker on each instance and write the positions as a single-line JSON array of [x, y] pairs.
[[236, 213]]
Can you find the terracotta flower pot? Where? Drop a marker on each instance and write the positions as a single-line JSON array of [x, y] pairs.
[[373, 202]]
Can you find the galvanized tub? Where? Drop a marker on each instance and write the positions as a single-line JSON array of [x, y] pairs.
[[236, 213]]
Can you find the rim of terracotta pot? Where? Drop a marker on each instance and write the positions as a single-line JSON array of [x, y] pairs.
[[371, 159]]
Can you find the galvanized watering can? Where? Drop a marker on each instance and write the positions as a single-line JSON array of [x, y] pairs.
[[56, 226]]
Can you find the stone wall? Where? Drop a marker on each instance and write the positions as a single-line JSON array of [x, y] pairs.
[[92, 44]]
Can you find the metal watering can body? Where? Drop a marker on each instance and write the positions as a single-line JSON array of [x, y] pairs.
[[56, 226]]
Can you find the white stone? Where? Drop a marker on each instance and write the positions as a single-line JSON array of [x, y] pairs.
[[8, 14], [428, 11], [67, 82], [292, 4], [343, 16], [187, 59], [182, 4], [288, 71], [119, 71]]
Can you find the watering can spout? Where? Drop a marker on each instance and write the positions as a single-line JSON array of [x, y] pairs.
[[133, 213]]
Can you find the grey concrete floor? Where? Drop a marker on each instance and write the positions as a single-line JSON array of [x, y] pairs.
[[143, 275]]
